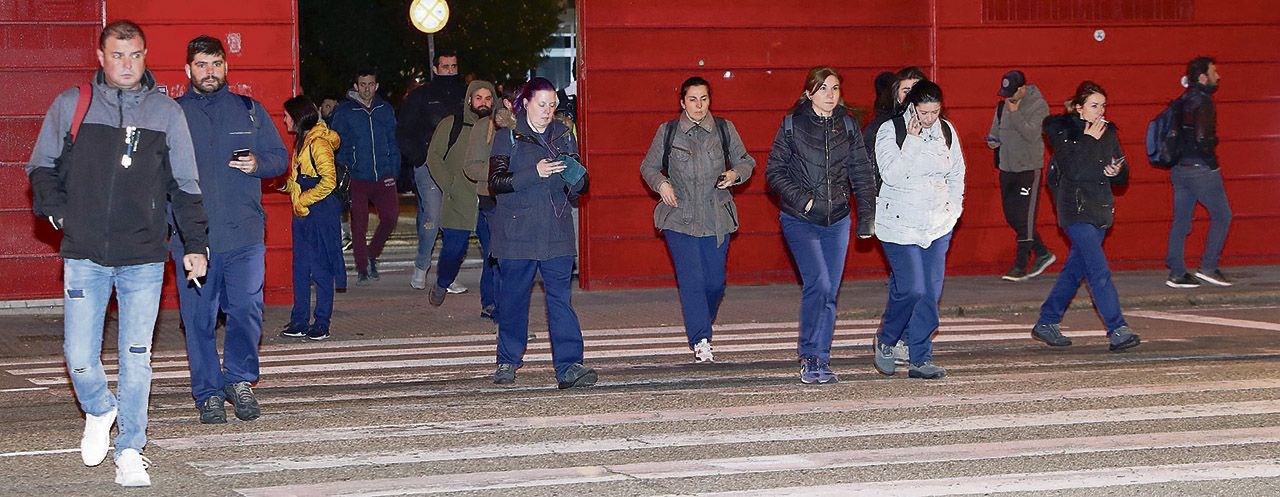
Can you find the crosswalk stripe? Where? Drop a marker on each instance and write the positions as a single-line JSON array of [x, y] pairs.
[[1217, 321], [720, 437], [491, 425], [1028, 482], [592, 352], [784, 462], [487, 349]]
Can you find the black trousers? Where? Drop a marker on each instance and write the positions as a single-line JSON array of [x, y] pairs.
[[1019, 195]]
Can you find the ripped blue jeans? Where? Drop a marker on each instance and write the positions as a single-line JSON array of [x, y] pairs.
[[87, 290]]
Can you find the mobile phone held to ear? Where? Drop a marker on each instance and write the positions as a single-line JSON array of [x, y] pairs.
[[240, 154]]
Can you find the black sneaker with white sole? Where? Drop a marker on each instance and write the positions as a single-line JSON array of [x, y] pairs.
[[1216, 278], [1040, 264], [1182, 281]]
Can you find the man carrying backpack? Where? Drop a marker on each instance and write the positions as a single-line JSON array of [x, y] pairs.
[[1196, 178], [1019, 154]]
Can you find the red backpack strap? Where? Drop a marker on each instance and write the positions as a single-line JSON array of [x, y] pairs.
[[82, 108]]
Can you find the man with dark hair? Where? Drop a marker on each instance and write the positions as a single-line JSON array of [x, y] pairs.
[[236, 147], [367, 125], [422, 111], [1019, 155], [111, 212], [1197, 179]]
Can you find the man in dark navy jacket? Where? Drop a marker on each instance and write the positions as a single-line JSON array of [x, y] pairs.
[[236, 147]]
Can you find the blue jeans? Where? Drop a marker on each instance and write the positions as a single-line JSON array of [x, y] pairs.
[[234, 285], [513, 322], [489, 269], [700, 279], [819, 252], [86, 293], [1086, 262], [453, 249], [1192, 184], [428, 220], [915, 285]]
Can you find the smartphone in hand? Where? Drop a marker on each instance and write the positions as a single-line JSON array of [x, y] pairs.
[[239, 155]]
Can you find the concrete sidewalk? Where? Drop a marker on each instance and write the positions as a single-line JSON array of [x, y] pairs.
[[389, 308]]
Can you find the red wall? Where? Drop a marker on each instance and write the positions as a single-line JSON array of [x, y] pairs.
[[49, 46], [635, 54]]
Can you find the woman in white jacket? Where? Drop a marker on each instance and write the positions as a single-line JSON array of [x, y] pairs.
[[919, 203]]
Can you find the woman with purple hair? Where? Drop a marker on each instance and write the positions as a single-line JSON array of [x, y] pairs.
[[534, 172]]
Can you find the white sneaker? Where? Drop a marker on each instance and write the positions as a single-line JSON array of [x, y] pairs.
[[131, 469], [901, 356], [97, 437], [702, 351], [456, 288], [419, 280]]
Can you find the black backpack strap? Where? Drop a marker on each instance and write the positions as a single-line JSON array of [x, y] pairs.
[[722, 126], [1000, 111], [666, 143], [900, 129], [454, 132], [946, 132]]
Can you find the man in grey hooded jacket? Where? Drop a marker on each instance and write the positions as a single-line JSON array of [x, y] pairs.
[[1019, 154]]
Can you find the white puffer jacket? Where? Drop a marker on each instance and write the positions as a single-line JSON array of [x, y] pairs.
[[923, 191]]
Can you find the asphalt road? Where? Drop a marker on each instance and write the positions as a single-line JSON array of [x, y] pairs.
[[1195, 410]]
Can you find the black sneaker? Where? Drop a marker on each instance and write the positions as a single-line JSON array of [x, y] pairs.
[[487, 312], [362, 278], [317, 332], [1015, 274], [1216, 278], [373, 268], [1050, 334], [294, 330], [1123, 338], [1040, 264], [505, 375], [212, 410], [241, 395], [578, 376], [1183, 281]]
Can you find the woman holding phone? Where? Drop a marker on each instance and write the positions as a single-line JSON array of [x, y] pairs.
[[1086, 163], [819, 168], [534, 173], [920, 201]]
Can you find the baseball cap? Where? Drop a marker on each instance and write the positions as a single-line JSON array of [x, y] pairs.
[[1010, 83]]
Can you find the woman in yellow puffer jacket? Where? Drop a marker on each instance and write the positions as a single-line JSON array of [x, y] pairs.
[[317, 213]]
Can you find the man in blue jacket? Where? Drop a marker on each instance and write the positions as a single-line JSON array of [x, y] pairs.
[[236, 147], [367, 125]]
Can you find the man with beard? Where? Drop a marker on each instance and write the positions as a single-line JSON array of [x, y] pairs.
[[447, 158], [236, 147], [1196, 179], [422, 111]]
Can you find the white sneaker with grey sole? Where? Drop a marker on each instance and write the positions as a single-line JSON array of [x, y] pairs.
[[419, 280], [131, 469], [97, 437], [456, 288]]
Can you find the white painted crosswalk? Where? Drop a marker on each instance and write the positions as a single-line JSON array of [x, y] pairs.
[[418, 416]]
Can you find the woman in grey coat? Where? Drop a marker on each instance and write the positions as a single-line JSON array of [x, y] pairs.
[[692, 163]]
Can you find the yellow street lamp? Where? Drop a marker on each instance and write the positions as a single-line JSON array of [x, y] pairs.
[[429, 16]]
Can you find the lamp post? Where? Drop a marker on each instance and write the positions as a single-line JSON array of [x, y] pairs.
[[429, 16]]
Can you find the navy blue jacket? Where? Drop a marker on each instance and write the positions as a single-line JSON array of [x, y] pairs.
[[220, 124], [533, 216], [368, 134]]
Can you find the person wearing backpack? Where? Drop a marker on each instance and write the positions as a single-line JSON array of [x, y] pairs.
[[692, 163], [236, 148], [819, 170], [919, 203], [1197, 179], [1019, 155], [459, 208], [1087, 162]]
